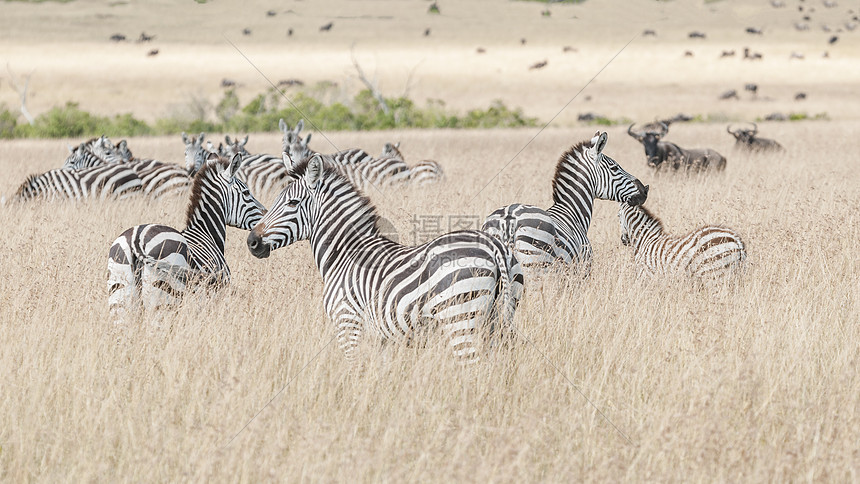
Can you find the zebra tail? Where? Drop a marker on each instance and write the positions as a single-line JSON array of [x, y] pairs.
[[509, 277]]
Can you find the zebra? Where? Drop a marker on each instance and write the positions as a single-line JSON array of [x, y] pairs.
[[709, 251], [98, 182], [290, 135], [425, 172], [464, 281], [539, 237], [262, 172], [195, 154], [363, 170], [156, 264], [158, 179]]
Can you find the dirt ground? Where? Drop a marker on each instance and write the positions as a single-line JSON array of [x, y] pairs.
[[66, 48]]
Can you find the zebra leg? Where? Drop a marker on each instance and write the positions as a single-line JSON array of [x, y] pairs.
[[163, 288], [122, 283]]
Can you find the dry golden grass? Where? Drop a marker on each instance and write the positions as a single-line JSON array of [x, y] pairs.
[[751, 382]]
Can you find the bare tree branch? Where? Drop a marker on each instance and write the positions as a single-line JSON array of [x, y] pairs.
[[22, 92], [373, 91], [409, 78]]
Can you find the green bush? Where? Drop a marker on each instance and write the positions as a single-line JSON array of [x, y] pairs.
[[363, 112]]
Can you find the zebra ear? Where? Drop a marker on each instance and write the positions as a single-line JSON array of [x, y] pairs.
[[244, 141], [283, 126], [234, 164], [200, 138], [599, 142], [397, 145], [71, 150], [308, 139], [299, 126], [289, 164], [227, 139], [313, 171], [185, 138]]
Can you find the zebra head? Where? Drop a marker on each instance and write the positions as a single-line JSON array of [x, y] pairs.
[[649, 139], [298, 149], [81, 157], [611, 182], [241, 209], [290, 218], [290, 135], [392, 151], [123, 152], [235, 147], [195, 153], [637, 223]]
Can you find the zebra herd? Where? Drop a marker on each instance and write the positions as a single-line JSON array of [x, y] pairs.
[[467, 283]]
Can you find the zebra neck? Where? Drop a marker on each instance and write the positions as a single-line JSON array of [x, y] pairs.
[[206, 230], [344, 234], [573, 208]]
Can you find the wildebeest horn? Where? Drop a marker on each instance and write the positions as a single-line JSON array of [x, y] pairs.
[[664, 127], [755, 129], [633, 134]]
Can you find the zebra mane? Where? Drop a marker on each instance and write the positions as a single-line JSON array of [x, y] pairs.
[[197, 189], [650, 218], [564, 165], [329, 175]]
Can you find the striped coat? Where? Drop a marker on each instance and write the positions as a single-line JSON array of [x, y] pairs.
[[709, 251]]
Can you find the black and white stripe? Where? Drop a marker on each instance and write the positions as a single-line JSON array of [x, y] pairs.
[[361, 169], [465, 282], [99, 182], [158, 179], [156, 264], [425, 172], [540, 237], [263, 173], [710, 251]]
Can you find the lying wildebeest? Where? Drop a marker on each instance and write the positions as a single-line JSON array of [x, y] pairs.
[[748, 141], [665, 154]]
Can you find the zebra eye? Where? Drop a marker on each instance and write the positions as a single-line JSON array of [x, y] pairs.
[[293, 203]]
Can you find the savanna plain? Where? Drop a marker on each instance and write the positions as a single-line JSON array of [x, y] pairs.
[[616, 377]]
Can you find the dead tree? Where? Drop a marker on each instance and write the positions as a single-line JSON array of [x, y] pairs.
[[373, 91], [22, 92]]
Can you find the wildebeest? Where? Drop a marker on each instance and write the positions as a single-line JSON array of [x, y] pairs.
[[662, 154], [747, 140]]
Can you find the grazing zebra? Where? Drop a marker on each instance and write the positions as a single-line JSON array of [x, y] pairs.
[[425, 172], [156, 264], [540, 237], [363, 170], [710, 251], [157, 178], [374, 284], [98, 182]]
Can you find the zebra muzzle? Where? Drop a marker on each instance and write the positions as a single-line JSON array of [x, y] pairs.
[[258, 248]]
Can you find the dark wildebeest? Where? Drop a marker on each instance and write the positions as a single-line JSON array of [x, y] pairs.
[[665, 154], [748, 141]]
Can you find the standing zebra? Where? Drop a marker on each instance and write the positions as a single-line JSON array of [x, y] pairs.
[[157, 264], [425, 172], [98, 182], [262, 173], [363, 170], [157, 178], [541, 237], [195, 154], [710, 251], [374, 284]]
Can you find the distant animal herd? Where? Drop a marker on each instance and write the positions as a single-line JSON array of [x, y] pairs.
[[468, 283]]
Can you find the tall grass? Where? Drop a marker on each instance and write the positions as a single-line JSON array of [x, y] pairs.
[[756, 381]]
